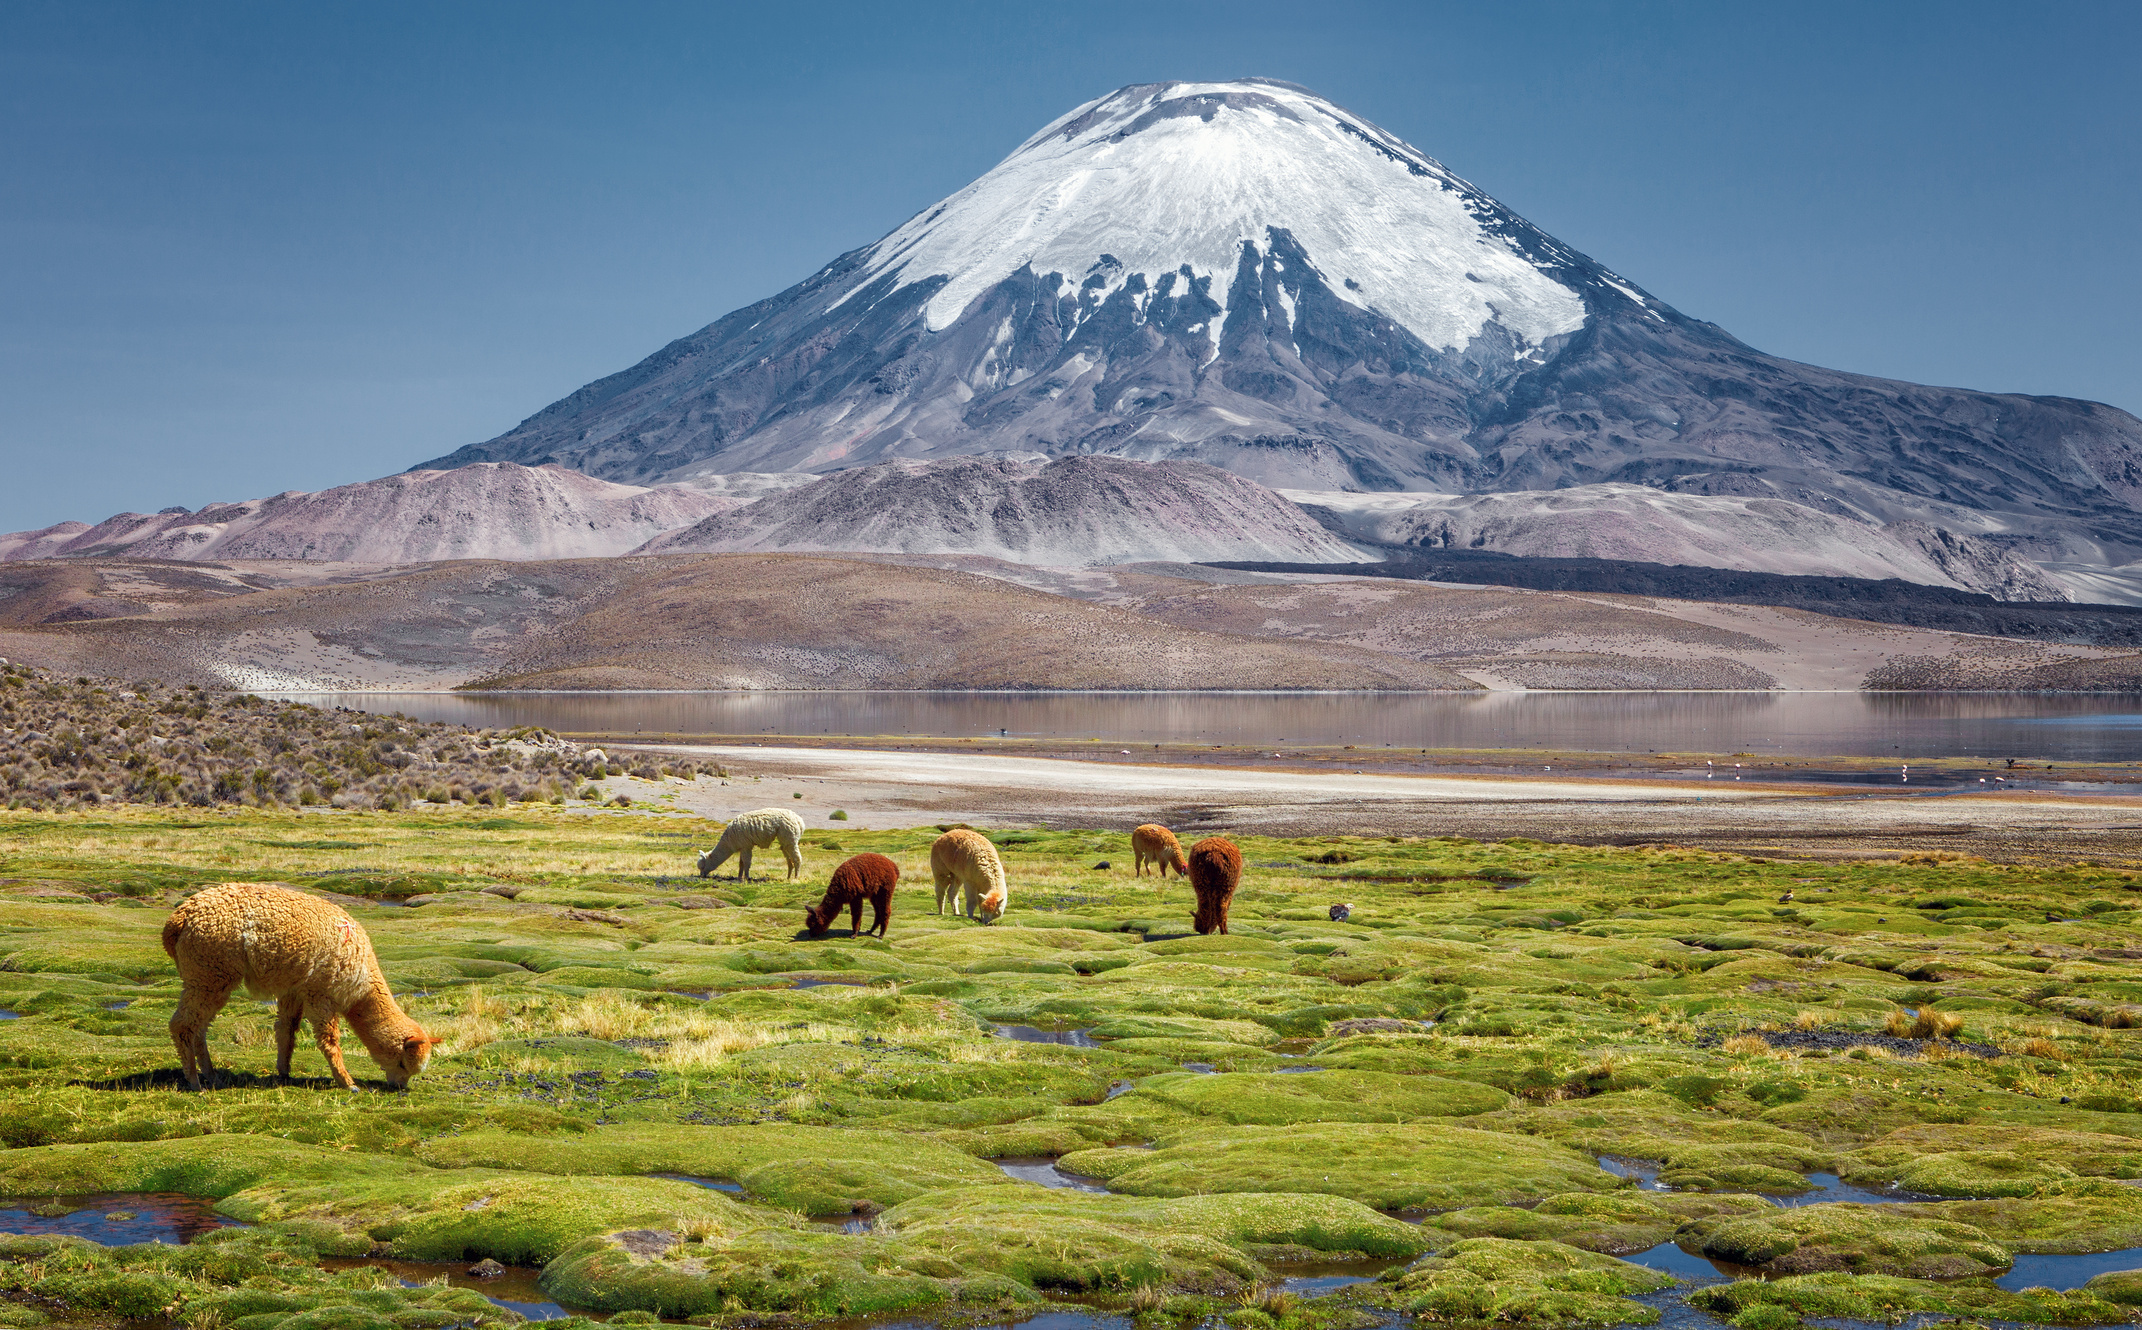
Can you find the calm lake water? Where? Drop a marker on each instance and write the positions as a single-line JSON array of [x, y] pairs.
[[1902, 725]]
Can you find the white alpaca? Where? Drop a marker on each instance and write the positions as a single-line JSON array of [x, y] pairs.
[[756, 831], [964, 862]]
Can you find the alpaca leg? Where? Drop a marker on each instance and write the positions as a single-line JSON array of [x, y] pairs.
[[880, 913], [743, 864], [855, 917], [794, 857], [944, 880], [327, 1031], [288, 1013], [189, 1030]]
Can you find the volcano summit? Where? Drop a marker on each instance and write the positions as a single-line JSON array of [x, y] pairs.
[[1247, 275]]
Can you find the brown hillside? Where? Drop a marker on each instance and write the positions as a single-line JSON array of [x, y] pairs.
[[689, 621]]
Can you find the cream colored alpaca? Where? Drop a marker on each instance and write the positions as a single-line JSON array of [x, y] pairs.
[[1155, 844], [756, 831], [965, 863], [313, 959]]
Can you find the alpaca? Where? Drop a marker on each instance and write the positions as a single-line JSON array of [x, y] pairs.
[[1158, 844], [313, 959], [964, 862], [1215, 871], [756, 831], [865, 877]]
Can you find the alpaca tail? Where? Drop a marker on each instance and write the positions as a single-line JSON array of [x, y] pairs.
[[172, 929]]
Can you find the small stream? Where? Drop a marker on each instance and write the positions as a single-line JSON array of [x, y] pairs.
[[119, 1219], [516, 1290], [1043, 1170], [2067, 1272], [1034, 1034]]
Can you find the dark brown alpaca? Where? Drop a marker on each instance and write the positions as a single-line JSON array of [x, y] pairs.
[[866, 877], [1215, 871]]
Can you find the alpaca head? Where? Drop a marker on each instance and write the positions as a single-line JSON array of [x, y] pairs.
[[404, 1055], [817, 918], [991, 907], [710, 860]]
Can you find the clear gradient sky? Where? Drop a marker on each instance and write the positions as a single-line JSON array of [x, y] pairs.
[[258, 247]]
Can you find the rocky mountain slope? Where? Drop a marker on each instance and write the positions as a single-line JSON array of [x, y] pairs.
[[488, 511], [1248, 275], [1636, 522], [1072, 511]]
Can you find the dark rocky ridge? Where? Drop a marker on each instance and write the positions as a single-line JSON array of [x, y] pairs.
[[1308, 389], [1883, 600]]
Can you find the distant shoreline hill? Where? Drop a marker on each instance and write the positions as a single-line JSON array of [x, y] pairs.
[[490, 511], [1248, 275]]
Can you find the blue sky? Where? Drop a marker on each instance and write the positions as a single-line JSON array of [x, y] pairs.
[[258, 247]]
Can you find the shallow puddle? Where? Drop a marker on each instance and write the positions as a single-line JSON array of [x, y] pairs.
[[1201, 1068], [1828, 1188], [2067, 1272], [1032, 1034], [1305, 1067], [711, 1184], [842, 1223], [6, 1015], [119, 1219], [1310, 1278], [831, 983], [1042, 1169], [516, 1290], [1672, 1260], [1646, 1172]]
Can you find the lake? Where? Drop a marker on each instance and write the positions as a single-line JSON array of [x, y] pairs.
[[1903, 725]]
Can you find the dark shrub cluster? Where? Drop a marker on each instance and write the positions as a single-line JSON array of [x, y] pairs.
[[65, 743]]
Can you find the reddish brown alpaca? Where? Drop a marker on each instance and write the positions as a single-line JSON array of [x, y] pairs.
[[1215, 871], [866, 877]]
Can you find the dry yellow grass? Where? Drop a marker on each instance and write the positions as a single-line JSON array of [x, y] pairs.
[[1746, 1045]]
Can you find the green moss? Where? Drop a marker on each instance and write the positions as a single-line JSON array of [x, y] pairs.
[[1862, 1239], [1616, 1223], [1391, 1167], [1888, 1299], [1481, 1280], [1322, 1096], [815, 1170]]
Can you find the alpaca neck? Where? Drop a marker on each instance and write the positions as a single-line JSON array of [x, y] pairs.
[[379, 1021]]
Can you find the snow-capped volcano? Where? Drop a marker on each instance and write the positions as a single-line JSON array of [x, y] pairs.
[[1152, 188], [1247, 275]]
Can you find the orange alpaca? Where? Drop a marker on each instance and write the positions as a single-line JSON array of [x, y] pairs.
[[1158, 844], [313, 959], [1215, 872], [865, 877]]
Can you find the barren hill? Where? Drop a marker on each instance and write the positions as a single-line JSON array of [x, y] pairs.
[[1069, 512], [489, 511], [690, 621]]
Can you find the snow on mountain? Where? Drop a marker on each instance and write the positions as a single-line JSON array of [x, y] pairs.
[[1152, 186], [1073, 511], [1652, 526], [1247, 275], [489, 511]]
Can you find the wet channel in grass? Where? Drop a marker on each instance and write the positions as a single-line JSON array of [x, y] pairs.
[[1042, 1169], [2067, 1272], [118, 1219], [1034, 1034], [516, 1290], [711, 1184]]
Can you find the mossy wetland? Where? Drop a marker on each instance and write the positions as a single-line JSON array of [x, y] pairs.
[[657, 1098]]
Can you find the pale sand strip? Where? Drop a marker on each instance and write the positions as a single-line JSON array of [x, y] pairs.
[[908, 789]]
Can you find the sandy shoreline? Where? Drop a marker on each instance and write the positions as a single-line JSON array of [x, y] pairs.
[[879, 788]]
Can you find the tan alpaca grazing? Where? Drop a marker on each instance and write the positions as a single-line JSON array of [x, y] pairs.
[[313, 959], [1155, 844], [964, 863]]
